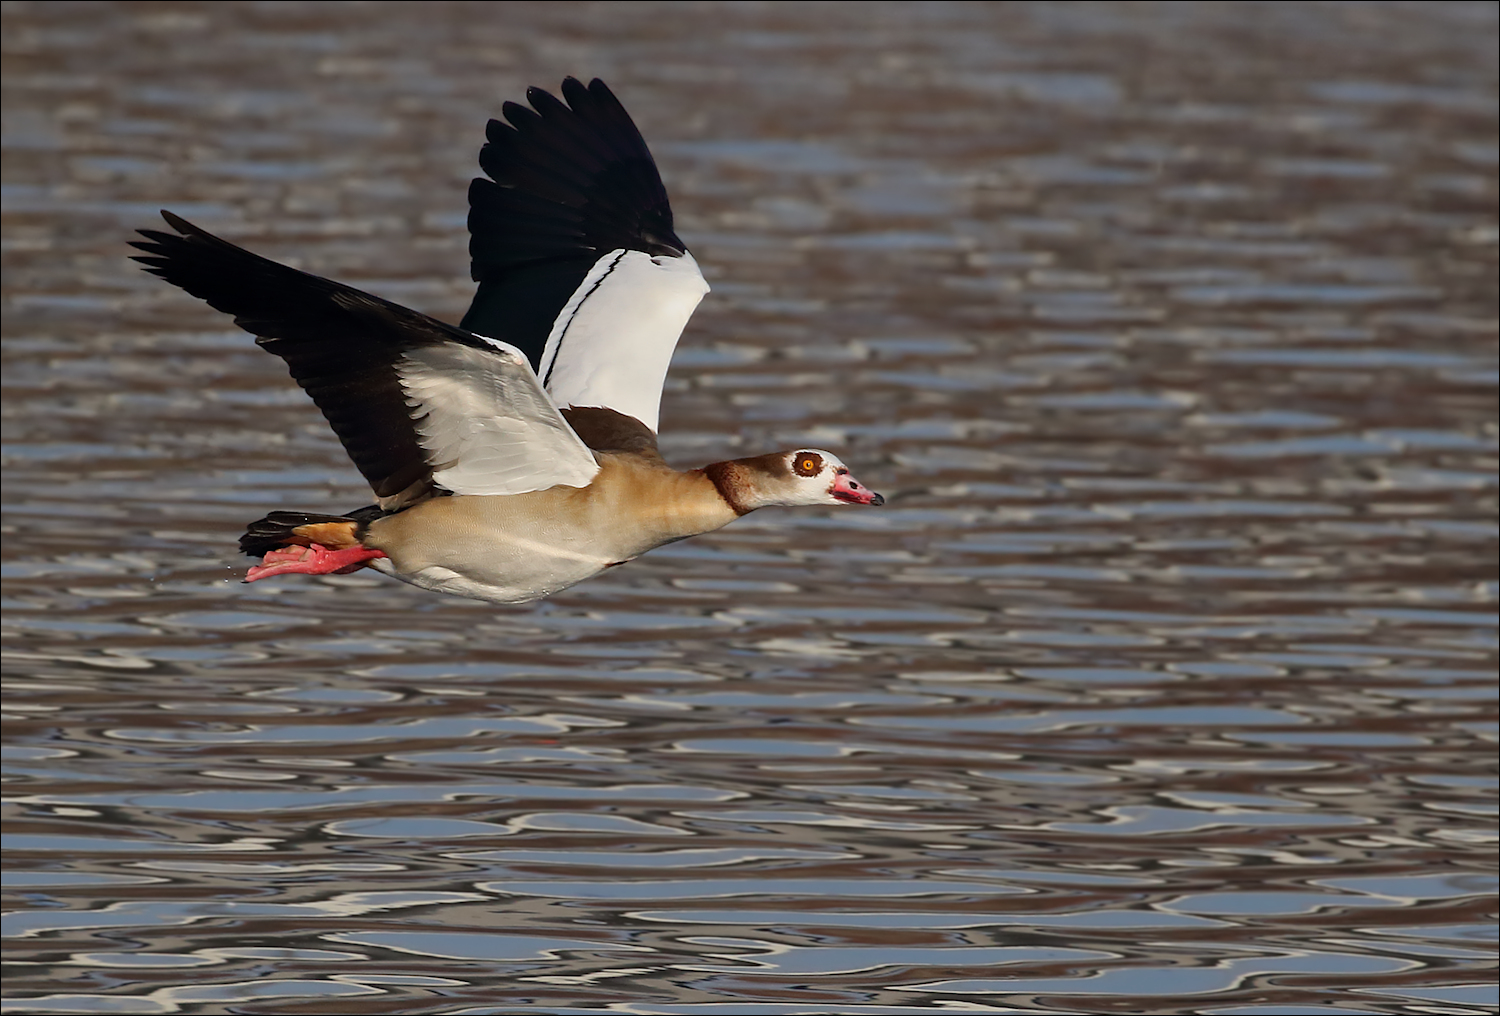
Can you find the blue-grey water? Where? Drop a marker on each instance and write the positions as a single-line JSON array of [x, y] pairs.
[[1164, 682]]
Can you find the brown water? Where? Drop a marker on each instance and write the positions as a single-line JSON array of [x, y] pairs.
[[1164, 682]]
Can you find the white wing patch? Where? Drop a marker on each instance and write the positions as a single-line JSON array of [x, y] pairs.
[[486, 424], [613, 341]]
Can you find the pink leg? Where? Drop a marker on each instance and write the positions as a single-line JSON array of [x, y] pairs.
[[313, 560]]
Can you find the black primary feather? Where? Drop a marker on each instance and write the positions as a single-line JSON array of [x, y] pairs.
[[569, 182], [340, 344]]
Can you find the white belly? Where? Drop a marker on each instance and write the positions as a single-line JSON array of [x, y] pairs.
[[514, 586], [507, 559]]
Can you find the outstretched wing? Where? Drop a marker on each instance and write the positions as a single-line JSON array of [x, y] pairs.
[[417, 403], [572, 245]]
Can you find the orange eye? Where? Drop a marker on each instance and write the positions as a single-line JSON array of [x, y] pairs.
[[808, 466]]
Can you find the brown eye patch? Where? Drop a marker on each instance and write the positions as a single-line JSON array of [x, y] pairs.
[[807, 463]]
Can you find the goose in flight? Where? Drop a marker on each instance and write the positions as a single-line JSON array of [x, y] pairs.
[[514, 455]]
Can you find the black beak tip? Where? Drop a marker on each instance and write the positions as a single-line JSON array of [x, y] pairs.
[[877, 500]]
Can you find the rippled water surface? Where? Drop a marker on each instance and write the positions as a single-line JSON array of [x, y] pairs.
[[1163, 683]]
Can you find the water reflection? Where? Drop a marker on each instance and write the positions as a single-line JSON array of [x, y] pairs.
[[1164, 683]]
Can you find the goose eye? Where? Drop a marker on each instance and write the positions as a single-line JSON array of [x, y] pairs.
[[808, 464]]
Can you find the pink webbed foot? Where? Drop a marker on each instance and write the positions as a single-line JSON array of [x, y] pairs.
[[313, 560]]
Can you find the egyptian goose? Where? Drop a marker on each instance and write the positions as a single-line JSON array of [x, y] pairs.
[[515, 455]]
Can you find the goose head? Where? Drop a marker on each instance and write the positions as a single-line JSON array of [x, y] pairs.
[[808, 476]]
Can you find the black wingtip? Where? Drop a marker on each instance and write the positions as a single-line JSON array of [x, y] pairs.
[[598, 89], [158, 243], [178, 223]]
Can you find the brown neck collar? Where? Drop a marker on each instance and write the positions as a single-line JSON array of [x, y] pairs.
[[730, 481]]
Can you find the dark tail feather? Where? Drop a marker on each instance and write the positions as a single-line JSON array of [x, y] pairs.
[[279, 529]]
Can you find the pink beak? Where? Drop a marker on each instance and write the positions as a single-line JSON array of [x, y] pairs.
[[847, 488]]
